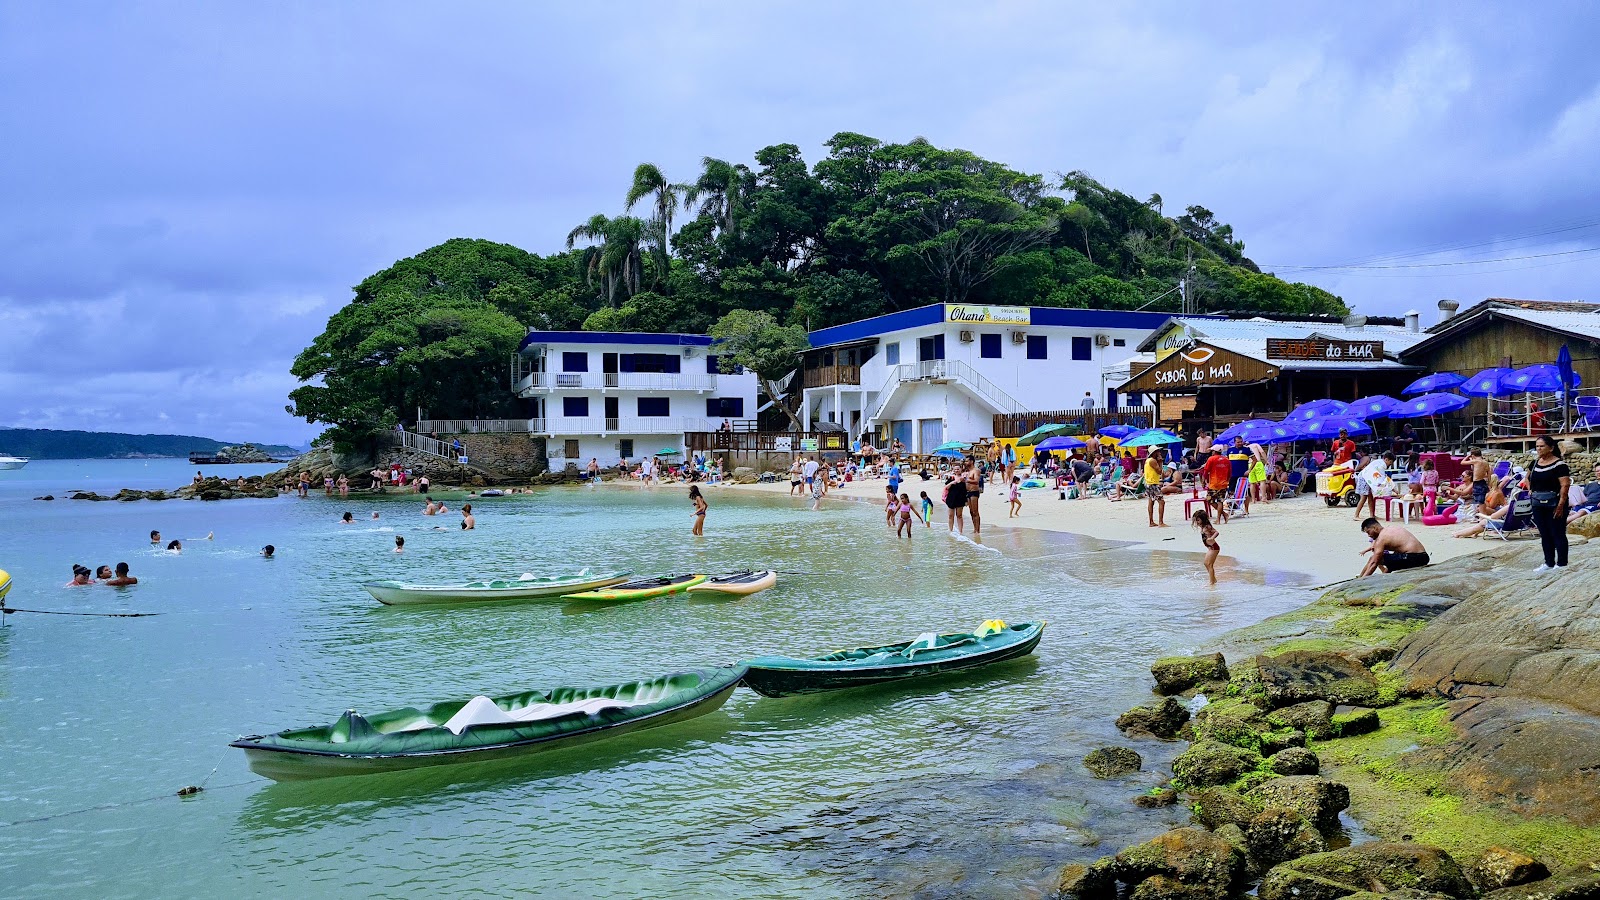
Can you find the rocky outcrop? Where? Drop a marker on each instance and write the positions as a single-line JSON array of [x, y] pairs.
[[1162, 719], [1207, 763], [1191, 862], [1582, 883], [1300, 675], [1375, 867], [1501, 868], [1312, 796], [1176, 674], [1109, 762], [1294, 761], [1278, 835]]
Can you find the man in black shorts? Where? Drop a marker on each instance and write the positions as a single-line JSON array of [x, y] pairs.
[[1393, 548]]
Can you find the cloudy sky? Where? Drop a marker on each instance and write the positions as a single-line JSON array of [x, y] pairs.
[[190, 190]]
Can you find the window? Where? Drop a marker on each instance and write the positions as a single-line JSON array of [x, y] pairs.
[[1082, 348], [1133, 399], [1039, 346], [625, 448], [891, 354], [652, 363], [574, 362], [930, 348], [725, 407], [989, 346], [1118, 342], [575, 407], [571, 450], [712, 366], [654, 407]]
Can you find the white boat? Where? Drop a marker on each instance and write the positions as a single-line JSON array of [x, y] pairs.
[[12, 462], [527, 587]]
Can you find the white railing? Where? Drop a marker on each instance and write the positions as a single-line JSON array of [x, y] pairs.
[[425, 444], [600, 425], [473, 426], [944, 370], [627, 381]]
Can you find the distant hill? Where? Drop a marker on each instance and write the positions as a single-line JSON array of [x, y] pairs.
[[40, 443]]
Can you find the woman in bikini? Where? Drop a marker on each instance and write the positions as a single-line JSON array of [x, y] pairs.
[[700, 507], [974, 491]]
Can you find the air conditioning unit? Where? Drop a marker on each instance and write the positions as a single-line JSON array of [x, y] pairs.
[[966, 337], [1019, 337], [1102, 340]]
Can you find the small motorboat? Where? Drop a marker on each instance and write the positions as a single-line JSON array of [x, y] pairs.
[[12, 462], [929, 654], [485, 728], [528, 587], [737, 584], [639, 589]]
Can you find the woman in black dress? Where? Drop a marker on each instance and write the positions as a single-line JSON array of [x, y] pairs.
[[955, 497], [1548, 480]]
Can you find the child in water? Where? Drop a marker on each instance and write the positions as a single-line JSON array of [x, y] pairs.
[[1014, 497], [906, 511], [399, 544], [1208, 537], [891, 509], [927, 511]]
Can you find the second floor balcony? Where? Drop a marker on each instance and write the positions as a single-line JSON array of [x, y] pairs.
[[603, 425], [828, 376], [548, 382]]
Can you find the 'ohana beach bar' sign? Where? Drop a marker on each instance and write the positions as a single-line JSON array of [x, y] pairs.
[[1199, 365], [987, 315]]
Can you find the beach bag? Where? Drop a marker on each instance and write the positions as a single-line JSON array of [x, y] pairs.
[[1546, 499]]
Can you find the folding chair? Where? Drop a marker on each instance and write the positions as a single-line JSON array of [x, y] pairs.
[[1237, 501], [1588, 413], [1519, 518]]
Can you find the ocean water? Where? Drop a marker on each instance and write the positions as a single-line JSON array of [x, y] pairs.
[[967, 786]]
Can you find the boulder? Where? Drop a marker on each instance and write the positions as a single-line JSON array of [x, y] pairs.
[[1501, 868], [1218, 806], [1314, 717], [1294, 761], [1192, 857], [1092, 882], [745, 475], [1230, 722], [1109, 762], [1161, 719], [1275, 741], [1296, 676], [1582, 883], [1355, 720], [1587, 527], [1176, 674], [1208, 763], [1312, 796], [1376, 867], [46, 497], [1161, 887], [1156, 799], [1278, 835]]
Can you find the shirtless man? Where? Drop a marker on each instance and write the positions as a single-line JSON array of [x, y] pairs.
[[1393, 548], [122, 579], [1481, 473]]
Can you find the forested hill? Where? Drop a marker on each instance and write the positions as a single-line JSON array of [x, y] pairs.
[[870, 228], [38, 443]]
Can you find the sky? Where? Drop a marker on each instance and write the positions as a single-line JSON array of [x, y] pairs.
[[189, 190]]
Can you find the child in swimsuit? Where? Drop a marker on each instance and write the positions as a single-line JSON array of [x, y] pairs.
[[1015, 496], [927, 511], [1208, 537], [906, 511], [891, 507]]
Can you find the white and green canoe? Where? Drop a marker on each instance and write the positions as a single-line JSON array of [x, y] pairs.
[[527, 587]]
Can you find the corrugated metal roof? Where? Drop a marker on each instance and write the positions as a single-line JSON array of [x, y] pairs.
[[1394, 337], [1586, 324], [1257, 349]]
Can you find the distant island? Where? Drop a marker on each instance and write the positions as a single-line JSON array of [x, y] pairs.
[[41, 443]]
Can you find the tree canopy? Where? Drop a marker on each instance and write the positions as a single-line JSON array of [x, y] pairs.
[[871, 228]]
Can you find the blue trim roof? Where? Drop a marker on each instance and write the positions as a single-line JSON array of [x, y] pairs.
[[614, 337], [934, 315]]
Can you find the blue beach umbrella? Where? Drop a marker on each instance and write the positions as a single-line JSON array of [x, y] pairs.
[[1330, 426], [1488, 383], [1439, 381], [1239, 429], [1116, 432], [949, 453], [1317, 409], [1429, 405], [1152, 437], [1060, 442], [1275, 433], [1544, 378], [1569, 378], [1378, 406]]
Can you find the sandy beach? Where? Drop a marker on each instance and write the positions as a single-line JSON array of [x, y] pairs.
[[1299, 535]]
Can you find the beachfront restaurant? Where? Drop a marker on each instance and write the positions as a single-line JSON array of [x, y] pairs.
[[1212, 372]]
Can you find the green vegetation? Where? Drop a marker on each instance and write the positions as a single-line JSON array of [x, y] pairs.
[[40, 443], [871, 228]]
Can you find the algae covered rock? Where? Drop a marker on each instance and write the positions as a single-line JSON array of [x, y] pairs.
[[1354, 721], [1230, 722], [1095, 881], [1275, 741], [1156, 799], [1582, 883], [1278, 835], [1176, 674], [1312, 796], [1208, 763], [1295, 761], [1501, 868], [1219, 806], [1314, 717], [1109, 762], [1186, 856], [1296, 676], [1161, 887], [1376, 867], [1162, 719]]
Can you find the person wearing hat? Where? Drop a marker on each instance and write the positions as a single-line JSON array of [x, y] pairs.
[[1155, 498]]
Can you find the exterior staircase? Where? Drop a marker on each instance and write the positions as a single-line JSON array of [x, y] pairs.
[[942, 371], [440, 450]]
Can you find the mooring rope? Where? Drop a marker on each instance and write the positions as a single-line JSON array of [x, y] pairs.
[[8, 610]]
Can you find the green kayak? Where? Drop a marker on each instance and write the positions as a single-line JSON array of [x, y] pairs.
[[929, 654], [484, 728]]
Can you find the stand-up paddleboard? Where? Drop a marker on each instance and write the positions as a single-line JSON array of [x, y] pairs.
[[737, 584]]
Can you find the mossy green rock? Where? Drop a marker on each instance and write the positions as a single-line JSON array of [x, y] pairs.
[[1354, 721], [1582, 883], [1176, 674], [1162, 719], [1095, 881], [1219, 806], [1312, 796], [1188, 856], [1109, 762], [1208, 763], [1314, 717], [1501, 868], [1375, 867], [1300, 675], [1294, 761], [1276, 741], [1278, 835], [1232, 722]]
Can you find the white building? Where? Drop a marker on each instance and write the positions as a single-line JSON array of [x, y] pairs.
[[621, 395], [942, 372]]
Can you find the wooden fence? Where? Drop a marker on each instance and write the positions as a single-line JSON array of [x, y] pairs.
[[1088, 420]]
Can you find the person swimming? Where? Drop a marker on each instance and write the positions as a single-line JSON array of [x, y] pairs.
[[399, 544], [432, 508], [347, 519], [80, 576], [374, 514], [123, 579], [103, 573], [155, 538], [468, 523], [268, 550], [175, 547]]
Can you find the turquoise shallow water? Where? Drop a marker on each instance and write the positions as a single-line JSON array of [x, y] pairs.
[[968, 786]]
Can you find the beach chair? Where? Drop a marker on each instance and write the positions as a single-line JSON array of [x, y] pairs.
[[1236, 503], [1588, 413], [1519, 518], [1502, 468], [1292, 484]]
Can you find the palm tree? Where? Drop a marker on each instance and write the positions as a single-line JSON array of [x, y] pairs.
[[613, 257], [719, 190]]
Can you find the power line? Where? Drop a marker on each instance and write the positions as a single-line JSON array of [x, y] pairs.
[[1439, 265], [1450, 247]]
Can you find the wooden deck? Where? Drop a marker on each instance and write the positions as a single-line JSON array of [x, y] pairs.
[[1521, 442]]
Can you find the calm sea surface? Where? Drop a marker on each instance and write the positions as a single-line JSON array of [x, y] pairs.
[[967, 786]]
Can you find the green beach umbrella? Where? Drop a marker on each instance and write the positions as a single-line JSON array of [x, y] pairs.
[[1040, 433], [668, 451], [952, 445]]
